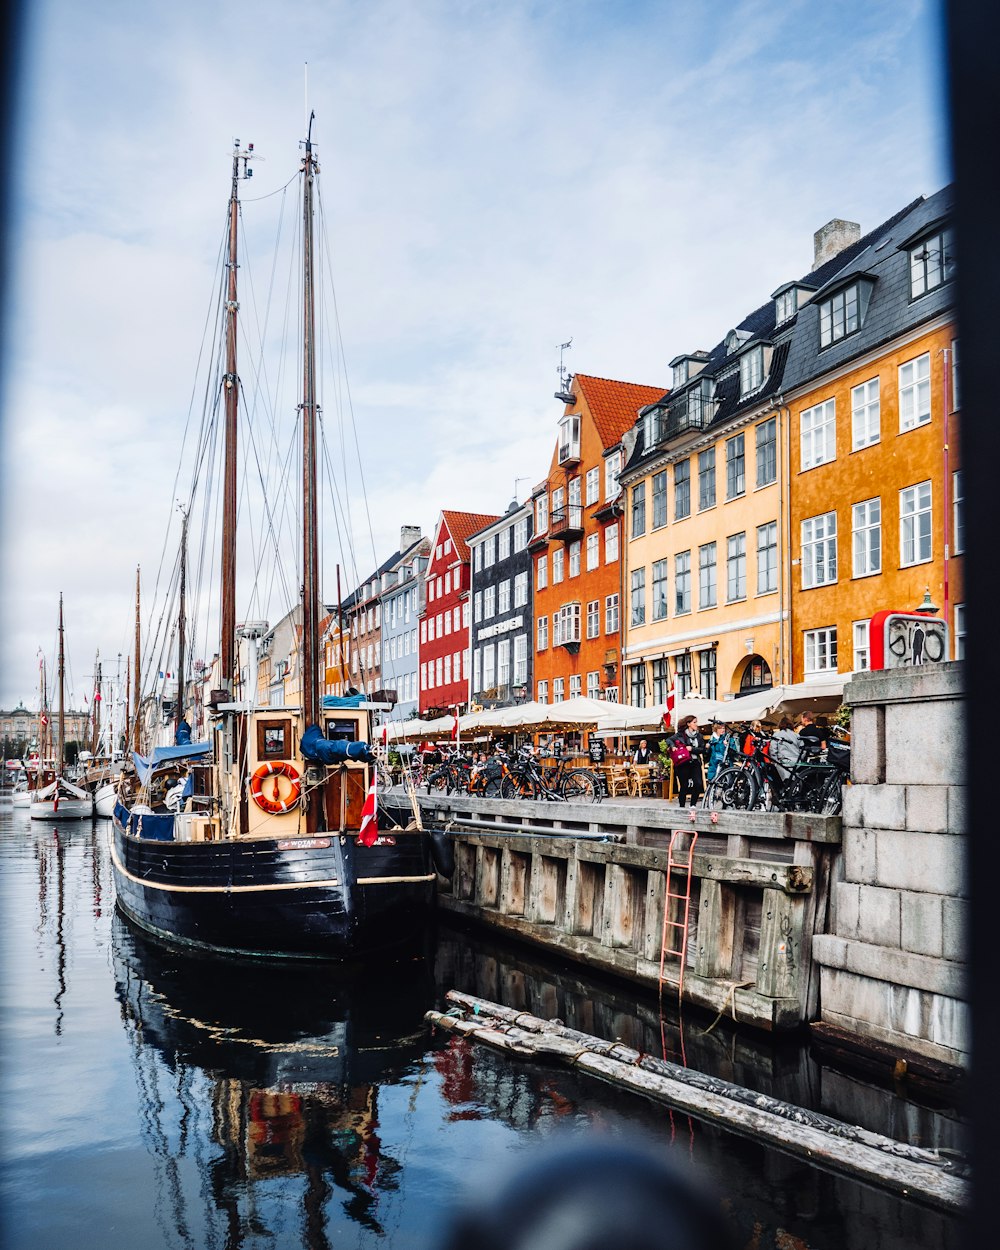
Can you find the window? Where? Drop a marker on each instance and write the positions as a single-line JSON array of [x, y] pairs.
[[637, 685], [680, 373], [735, 467], [859, 638], [915, 392], [682, 489], [593, 485], [955, 405], [447, 622], [558, 556], [682, 674], [706, 576], [751, 370], [575, 511], [520, 659], [543, 633], [478, 561], [569, 437], [541, 514], [682, 582], [958, 511], [503, 543], [659, 499], [819, 550], [489, 602], [866, 538], [542, 572], [767, 558], [543, 692], [707, 673], [785, 307], [447, 670], [843, 313], [593, 618], [820, 650], [503, 596], [638, 600], [489, 667], [659, 588], [593, 551], [521, 534], [611, 544], [594, 684], [915, 524], [638, 509], [661, 680], [767, 452], [865, 415], [489, 551], [611, 614], [931, 263], [612, 467], [574, 559], [558, 513], [503, 662], [610, 694], [558, 689], [423, 675], [575, 685], [959, 631], [520, 590], [736, 568], [556, 629], [706, 478], [818, 434], [569, 623]]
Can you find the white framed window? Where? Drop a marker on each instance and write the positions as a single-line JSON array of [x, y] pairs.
[[819, 550], [861, 646], [706, 478], [520, 659], [707, 590], [503, 596], [610, 694], [447, 622], [558, 558], [865, 414], [736, 482], [489, 551], [430, 628], [521, 534], [558, 689], [575, 685], [915, 393], [593, 551], [575, 510], [682, 583], [767, 558], [558, 513], [611, 614], [611, 544], [503, 543], [447, 670], [447, 582], [866, 538], [766, 435], [542, 572], [541, 514], [478, 557], [423, 629], [593, 485], [503, 662], [593, 618], [423, 675], [569, 623], [820, 652], [751, 370], [959, 632], [843, 313], [736, 568], [543, 692], [438, 678], [489, 602], [574, 558], [543, 634], [612, 467], [637, 614], [818, 434], [682, 490], [447, 546], [594, 684], [638, 509], [915, 524], [958, 513], [520, 590], [556, 629], [489, 666], [659, 589], [465, 615], [931, 263]]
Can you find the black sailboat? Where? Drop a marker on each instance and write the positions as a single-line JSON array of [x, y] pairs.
[[260, 840]]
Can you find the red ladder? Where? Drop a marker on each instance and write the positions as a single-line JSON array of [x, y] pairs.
[[680, 858]]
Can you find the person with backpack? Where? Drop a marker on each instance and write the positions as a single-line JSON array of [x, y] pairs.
[[687, 750], [718, 748]]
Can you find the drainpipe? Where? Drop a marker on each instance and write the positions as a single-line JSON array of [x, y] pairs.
[[784, 415], [946, 493]]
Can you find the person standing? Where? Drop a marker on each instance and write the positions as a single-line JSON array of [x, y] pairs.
[[786, 747], [718, 745], [813, 735], [687, 750], [642, 754]]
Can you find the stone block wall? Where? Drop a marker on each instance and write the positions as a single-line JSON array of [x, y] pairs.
[[892, 964]]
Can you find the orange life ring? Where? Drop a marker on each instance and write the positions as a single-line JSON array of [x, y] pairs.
[[275, 805]]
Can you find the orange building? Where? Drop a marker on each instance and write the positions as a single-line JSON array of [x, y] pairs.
[[872, 396], [577, 543]]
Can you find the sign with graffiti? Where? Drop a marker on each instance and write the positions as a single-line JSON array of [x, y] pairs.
[[907, 639]]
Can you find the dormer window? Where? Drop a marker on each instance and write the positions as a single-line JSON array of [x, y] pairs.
[[751, 370], [932, 262], [654, 426], [681, 370], [843, 313], [786, 306], [735, 340]]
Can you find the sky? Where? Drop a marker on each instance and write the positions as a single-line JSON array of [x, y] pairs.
[[497, 179]]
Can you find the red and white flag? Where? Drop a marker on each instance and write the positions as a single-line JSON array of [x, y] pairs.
[[668, 715], [368, 831], [385, 735], [454, 729]]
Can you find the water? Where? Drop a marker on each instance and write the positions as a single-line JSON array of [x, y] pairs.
[[160, 1100]]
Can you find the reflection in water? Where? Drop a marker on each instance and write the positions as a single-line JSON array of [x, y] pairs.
[[285, 1063]]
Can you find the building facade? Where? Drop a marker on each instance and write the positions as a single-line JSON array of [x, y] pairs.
[[403, 592], [502, 622]]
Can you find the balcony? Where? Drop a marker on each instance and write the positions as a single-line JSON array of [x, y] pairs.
[[569, 454], [566, 524]]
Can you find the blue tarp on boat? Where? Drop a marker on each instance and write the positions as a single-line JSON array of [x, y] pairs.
[[331, 701], [144, 765], [324, 751]]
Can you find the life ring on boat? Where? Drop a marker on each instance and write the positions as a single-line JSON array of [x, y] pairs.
[[275, 805]]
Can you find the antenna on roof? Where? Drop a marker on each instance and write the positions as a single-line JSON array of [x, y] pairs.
[[565, 392]]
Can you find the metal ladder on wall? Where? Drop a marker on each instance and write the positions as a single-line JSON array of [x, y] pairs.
[[680, 858]]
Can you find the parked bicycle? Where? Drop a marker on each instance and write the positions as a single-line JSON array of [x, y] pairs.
[[527, 780], [810, 784]]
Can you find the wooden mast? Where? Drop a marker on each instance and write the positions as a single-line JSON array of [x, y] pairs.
[[61, 740], [95, 727], [310, 554], [181, 639], [227, 650], [136, 743]]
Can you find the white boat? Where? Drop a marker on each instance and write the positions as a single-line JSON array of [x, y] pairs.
[[61, 801], [104, 798]]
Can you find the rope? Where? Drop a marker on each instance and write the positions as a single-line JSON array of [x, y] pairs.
[[730, 995]]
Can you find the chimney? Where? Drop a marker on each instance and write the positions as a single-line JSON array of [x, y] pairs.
[[832, 238], [408, 535]]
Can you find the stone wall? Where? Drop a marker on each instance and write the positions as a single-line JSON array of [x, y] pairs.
[[892, 964]]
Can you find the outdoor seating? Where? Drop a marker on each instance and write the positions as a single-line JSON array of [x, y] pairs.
[[619, 780], [645, 780]]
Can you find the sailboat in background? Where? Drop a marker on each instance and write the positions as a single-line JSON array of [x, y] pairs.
[[60, 799], [267, 839]]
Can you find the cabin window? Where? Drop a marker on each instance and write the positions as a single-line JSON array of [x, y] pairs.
[[274, 739]]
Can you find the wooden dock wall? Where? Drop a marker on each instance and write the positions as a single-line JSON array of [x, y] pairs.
[[759, 892]]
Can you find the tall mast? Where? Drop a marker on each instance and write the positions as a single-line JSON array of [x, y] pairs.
[[95, 728], [61, 747], [227, 653], [181, 626], [310, 554], [136, 743]]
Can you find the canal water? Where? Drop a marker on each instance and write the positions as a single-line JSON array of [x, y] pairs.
[[154, 1099]]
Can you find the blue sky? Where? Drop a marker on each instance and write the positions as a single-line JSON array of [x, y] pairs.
[[497, 178]]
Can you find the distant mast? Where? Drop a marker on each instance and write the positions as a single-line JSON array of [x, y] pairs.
[[310, 555], [61, 741], [136, 694], [181, 638]]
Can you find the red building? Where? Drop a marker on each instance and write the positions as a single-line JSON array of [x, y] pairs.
[[444, 623]]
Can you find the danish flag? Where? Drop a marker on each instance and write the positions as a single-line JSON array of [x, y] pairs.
[[368, 831], [668, 715]]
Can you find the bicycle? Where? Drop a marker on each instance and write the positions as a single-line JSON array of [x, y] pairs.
[[576, 785], [812, 784], [526, 779]]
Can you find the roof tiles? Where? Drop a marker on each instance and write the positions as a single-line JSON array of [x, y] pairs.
[[614, 405], [462, 525]]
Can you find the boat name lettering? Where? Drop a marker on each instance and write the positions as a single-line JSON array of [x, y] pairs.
[[304, 844]]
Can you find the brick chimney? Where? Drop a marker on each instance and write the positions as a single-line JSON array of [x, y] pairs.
[[832, 238], [408, 535]]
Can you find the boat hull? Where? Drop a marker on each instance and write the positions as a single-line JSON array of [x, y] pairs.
[[322, 897], [67, 809], [105, 798]]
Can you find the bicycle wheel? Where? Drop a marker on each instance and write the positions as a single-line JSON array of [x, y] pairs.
[[580, 786], [512, 787], [737, 788], [831, 798], [439, 781]]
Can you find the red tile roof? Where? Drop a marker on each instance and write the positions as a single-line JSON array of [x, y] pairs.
[[462, 525], [613, 405]]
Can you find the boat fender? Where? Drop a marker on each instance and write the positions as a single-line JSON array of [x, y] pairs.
[[443, 853], [274, 806]]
